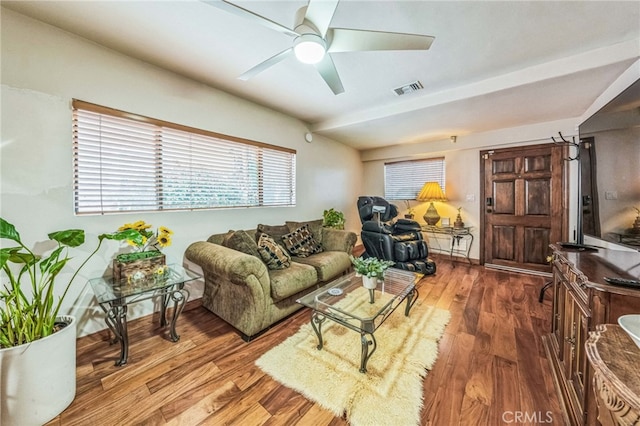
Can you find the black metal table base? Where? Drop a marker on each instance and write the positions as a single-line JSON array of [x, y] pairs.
[[116, 317], [367, 339]]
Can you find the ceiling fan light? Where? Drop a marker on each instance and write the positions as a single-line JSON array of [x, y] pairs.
[[309, 48]]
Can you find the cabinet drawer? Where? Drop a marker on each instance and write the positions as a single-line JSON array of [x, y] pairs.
[[574, 279]]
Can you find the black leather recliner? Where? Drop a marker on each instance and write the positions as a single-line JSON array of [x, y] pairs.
[[400, 241]]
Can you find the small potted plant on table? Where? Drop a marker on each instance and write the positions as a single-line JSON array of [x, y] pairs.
[[410, 211], [146, 261], [370, 269]]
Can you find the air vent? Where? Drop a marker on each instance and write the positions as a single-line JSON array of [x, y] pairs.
[[408, 88]]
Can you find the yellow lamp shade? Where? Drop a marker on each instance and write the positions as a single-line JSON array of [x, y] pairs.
[[431, 191]]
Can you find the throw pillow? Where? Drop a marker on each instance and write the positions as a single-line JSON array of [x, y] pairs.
[[241, 241], [225, 237], [272, 254], [276, 232], [315, 226], [301, 242]]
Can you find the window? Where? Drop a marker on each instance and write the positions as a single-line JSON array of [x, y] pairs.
[[404, 179], [127, 163]]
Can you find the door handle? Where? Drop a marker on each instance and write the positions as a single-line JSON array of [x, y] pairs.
[[489, 203]]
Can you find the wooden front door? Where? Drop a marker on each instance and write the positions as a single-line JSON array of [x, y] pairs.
[[523, 205]]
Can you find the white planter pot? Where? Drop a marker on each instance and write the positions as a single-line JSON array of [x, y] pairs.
[[38, 379], [370, 282]]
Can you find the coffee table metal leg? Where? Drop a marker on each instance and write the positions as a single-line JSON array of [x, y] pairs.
[[411, 299], [316, 323], [366, 353], [372, 295]]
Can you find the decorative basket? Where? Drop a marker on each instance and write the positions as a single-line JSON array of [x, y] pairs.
[[138, 267]]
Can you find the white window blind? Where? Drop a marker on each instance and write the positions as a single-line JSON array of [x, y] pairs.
[[126, 163], [403, 180]]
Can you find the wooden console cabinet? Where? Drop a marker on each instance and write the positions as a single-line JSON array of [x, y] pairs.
[[581, 301]]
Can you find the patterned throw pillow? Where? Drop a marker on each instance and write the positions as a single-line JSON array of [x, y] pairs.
[[274, 256], [315, 226], [274, 231], [301, 242]]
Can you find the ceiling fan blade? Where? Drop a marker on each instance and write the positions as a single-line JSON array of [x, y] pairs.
[[329, 74], [244, 13], [320, 13], [266, 64], [349, 40]]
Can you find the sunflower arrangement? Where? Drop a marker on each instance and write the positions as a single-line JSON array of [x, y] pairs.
[[143, 238]]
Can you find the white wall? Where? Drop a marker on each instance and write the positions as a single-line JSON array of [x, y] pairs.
[[43, 68], [462, 161]]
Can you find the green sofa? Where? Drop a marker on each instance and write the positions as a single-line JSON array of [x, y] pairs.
[[244, 292]]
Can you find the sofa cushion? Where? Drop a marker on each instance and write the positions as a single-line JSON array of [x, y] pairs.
[[287, 282], [242, 241], [328, 264], [272, 254], [315, 226], [301, 243]]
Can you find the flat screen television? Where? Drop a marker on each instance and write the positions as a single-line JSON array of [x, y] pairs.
[[610, 172]]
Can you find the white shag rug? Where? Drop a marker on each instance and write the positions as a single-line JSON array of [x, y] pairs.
[[390, 392]]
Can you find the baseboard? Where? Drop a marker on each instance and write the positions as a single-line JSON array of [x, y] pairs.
[[443, 257], [518, 270]]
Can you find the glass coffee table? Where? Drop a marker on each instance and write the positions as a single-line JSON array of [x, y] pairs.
[[348, 303]]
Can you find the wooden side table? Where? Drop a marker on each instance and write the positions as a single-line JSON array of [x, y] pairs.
[[615, 360]]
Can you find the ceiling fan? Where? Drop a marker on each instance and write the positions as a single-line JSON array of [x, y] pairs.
[[314, 40]]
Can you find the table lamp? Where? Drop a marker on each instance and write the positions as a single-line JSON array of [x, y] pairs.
[[431, 192]]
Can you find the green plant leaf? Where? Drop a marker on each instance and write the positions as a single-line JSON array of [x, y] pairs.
[[55, 268], [8, 231], [21, 257], [46, 263], [6, 253], [128, 234], [70, 237]]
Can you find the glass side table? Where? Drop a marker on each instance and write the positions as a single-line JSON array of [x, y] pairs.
[[461, 240], [115, 296]]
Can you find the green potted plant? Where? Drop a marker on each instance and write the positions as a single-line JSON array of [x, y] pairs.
[[37, 344], [370, 269], [333, 219]]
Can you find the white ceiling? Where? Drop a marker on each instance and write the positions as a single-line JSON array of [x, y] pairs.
[[492, 64]]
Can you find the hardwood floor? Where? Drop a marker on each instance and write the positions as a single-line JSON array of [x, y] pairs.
[[491, 369]]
